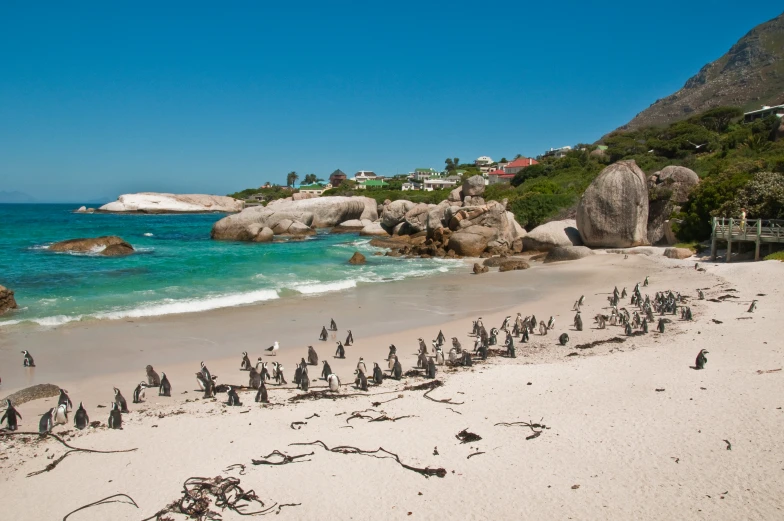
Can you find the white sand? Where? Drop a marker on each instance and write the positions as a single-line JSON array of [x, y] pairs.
[[634, 452]]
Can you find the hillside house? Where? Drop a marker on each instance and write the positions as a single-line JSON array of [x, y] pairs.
[[337, 177], [499, 177], [518, 164], [764, 112], [316, 189]]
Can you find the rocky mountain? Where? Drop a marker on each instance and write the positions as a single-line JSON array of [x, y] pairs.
[[750, 75]]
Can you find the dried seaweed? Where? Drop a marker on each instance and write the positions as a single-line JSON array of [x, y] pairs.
[[56, 462], [103, 501], [284, 458], [533, 426], [467, 437], [613, 340], [380, 453], [474, 454]]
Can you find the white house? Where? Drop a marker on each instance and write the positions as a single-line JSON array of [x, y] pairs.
[[437, 184], [316, 189], [483, 161], [364, 175], [558, 152]]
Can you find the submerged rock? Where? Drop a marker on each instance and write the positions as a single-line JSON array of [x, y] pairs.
[[357, 258], [7, 300], [108, 246]]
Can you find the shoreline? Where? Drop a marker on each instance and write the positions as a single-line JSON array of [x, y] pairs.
[[624, 421]]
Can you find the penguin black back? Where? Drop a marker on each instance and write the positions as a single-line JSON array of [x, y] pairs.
[[10, 415], [165, 387], [81, 420]]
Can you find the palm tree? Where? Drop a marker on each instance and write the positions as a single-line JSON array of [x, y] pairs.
[[291, 178]]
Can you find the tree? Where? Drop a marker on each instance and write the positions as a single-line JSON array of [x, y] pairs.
[[291, 178], [452, 163], [310, 179], [503, 160]]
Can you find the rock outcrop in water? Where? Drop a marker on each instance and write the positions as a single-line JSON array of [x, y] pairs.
[[7, 301], [294, 218], [108, 246], [150, 202]]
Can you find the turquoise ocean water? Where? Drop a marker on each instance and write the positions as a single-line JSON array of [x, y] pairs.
[[177, 267]]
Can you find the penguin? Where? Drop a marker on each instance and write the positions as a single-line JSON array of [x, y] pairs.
[[361, 366], [701, 360], [563, 339], [378, 375], [628, 329], [209, 390], [115, 416], [304, 382], [326, 370], [280, 378], [505, 323], [64, 399], [578, 322], [645, 282], [165, 387], [312, 356], [440, 338], [431, 368], [273, 349], [349, 338], [551, 322], [600, 321], [391, 362], [340, 352], [453, 356], [46, 423], [254, 378], [332, 325], [259, 364], [333, 382], [206, 372], [245, 363], [201, 380], [483, 351], [10, 415], [422, 361], [511, 352], [524, 337], [700, 294], [422, 346], [81, 420], [265, 374], [392, 351], [645, 326], [261, 395], [623, 293], [234, 399], [324, 335], [456, 344], [660, 326], [467, 360], [120, 400], [28, 359], [542, 328], [297, 375], [397, 370], [153, 380], [439, 356], [60, 414], [752, 307], [582, 300], [361, 380], [138, 393]]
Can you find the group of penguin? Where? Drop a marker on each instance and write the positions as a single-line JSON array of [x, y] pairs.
[[59, 415]]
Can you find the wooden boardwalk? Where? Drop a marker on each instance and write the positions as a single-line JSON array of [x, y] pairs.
[[758, 231]]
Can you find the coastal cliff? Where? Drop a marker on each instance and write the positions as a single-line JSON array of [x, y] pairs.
[[150, 202]]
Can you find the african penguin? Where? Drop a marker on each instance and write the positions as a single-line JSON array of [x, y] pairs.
[[60, 414], [312, 356], [340, 352], [332, 325], [138, 393], [115, 416], [326, 371], [234, 399], [64, 399], [10, 415], [701, 360], [431, 368], [361, 380], [261, 396], [46, 423], [439, 356], [324, 335], [206, 372], [333, 382], [81, 420], [397, 370], [361, 366], [392, 351], [120, 400], [28, 359], [563, 339], [245, 362], [165, 388], [254, 378], [378, 376], [349, 338]]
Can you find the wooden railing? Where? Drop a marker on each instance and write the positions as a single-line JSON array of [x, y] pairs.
[[757, 231]]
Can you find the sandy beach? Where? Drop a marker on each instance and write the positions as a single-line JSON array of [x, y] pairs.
[[629, 429]]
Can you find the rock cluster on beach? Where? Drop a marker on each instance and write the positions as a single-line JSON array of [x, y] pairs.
[[108, 246], [7, 301], [150, 202]]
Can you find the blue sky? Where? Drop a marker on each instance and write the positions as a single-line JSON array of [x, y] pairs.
[[98, 99]]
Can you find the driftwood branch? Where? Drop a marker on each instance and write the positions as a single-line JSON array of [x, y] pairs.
[[536, 428], [72, 450], [280, 458], [474, 454], [380, 453], [103, 501]]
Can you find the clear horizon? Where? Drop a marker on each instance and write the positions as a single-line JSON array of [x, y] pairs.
[[99, 100]]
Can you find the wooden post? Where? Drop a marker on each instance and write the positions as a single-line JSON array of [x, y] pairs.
[[713, 239], [729, 241], [759, 234]]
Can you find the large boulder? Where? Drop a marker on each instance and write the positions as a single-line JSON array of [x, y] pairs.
[[108, 246], [668, 190], [613, 211], [479, 269], [456, 195], [471, 241], [568, 253], [373, 229], [417, 217], [549, 235], [436, 216], [7, 300], [678, 253], [395, 212], [513, 264], [321, 212], [150, 202], [35, 392], [474, 185]]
